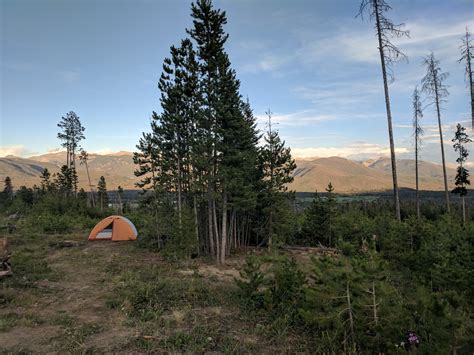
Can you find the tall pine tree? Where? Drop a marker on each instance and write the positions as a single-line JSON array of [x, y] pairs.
[[102, 192], [460, 140], [417, 133], [389, 54], [467, 56], [276, 167], [434, 87]]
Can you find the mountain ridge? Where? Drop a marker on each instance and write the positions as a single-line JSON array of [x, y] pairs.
[[347, 176]]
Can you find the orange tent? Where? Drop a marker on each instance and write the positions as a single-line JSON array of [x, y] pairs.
[[114, 228]]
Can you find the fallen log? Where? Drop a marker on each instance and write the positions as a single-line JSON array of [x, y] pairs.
[[7, 271], [5, 266], [312, 250]]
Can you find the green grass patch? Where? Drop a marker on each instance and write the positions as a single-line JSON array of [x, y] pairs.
[[12, 319], [74, 334], [146, 296]]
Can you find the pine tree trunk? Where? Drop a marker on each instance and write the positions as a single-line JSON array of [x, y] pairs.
[[67, 154], [90, 183], [235, 230], [224, 228], [463, 210], [120, 203], [374, 304], [270, 229], [416, 171], [469, 73], [73, 156], [180, 215], [216, 231], [442, 145], [230, 235], [196, 223], [210, 224], [351, 317], [389, 115]]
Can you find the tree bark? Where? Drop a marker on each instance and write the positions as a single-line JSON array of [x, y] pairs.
[[389, 115], [180, 215], [196, 223], [442, 143], [469, 73], [90, 183], [374, 304], [351, 317], [224, 228], [120, 203], [416, 170], [216, 231], [210, 224]]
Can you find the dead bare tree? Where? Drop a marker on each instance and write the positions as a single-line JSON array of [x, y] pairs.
[[389, 54], [434, 87], [417, 133], [467, 55]]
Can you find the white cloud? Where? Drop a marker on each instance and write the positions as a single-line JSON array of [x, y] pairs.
[[104, 151], [17, 150], [359, 150], [299, 118], [339, 96], [69, 75], [356, 43], [55, 150]]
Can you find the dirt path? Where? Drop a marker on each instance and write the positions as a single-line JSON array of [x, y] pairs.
[[57, 312], [67, 310]]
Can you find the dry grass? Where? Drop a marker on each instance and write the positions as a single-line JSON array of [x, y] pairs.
[[105, 297]]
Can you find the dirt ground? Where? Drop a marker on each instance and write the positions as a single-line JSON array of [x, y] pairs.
[[65, 307]]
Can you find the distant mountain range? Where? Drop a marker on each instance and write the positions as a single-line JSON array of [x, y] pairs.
[[347, 176]]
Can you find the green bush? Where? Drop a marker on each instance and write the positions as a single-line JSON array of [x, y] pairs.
[[252, 282]]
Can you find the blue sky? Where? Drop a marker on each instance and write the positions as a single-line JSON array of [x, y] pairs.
[[312, 62]]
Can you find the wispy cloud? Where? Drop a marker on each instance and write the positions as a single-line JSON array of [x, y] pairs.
[[103, 151], [69, 75], [299, 118], [356, 151], [338, 96], [357, 45], [17, 150]]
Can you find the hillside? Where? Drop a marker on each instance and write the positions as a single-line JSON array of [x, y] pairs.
[[116, 168], [312, 174]]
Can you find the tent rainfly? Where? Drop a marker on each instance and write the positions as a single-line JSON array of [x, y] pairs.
[[114, 228]]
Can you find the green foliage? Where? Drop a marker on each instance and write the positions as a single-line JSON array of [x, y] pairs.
[[102, 193], [278, 218], [317, 227], [394, 280], [279, 292], [182, 241], [253, 279], [8, 188], [146, 296], [65, 180], [285, 290], [460, 140], [163, 230]]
